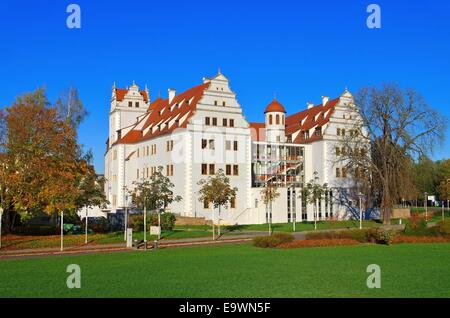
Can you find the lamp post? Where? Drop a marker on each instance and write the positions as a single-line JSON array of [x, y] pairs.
[[145, 227], [86, 227], [1, 219], [426, 208], [360, 196], [125, 214], [62, 231], [316, 180]]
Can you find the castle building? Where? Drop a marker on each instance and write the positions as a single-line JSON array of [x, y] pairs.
[[195, 133]]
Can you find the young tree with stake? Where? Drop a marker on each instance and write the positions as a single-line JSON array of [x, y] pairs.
[[268, 194], [154, 194], [217, 190]]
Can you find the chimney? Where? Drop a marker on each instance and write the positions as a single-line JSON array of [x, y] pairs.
[[325, 100], [172, 93], [310, 105]]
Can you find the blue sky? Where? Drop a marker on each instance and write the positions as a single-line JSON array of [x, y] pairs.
[[296, 50]]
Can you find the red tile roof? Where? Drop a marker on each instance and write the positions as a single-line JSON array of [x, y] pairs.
[[305, 120], [258, 131], [164, 115], [274, 106], [120, 94]]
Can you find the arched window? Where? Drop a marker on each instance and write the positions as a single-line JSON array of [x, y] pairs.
[[277, 120], [270, 119]]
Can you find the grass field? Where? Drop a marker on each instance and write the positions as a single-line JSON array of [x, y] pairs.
[[180, 232], [407, 270]]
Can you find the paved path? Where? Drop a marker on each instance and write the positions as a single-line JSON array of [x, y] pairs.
[[165, 243]]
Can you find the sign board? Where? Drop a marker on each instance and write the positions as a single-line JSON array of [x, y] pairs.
[[155, 230], [431, 198], [129, 237]]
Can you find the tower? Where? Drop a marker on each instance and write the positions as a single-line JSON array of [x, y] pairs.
[[275, 122], [126, 106]]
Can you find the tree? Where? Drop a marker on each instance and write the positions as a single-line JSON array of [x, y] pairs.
[[217, 190], [70, 108], [154, 194], [91, 190], [268, 194], [313, 193], [393, 126]]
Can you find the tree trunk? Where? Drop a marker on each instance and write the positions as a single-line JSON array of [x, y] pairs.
[[386, 203]]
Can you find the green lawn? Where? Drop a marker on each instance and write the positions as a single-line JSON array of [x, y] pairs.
[[27, 242], [303, 226], [407, 270], [180, 232]]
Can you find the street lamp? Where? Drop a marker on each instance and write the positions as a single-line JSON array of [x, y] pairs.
[[426, 208], [1, 217], [360, 196], [125, 215]]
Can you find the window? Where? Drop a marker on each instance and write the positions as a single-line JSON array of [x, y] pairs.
[[212, 169], [227, 144], [205, 204], [215, 103], [169, 146], [169, 170], [256, 203], [233, 202], [305, 134], [235, 145], [270, 119], [204, 169], [277, 119], [214, 121], [338, 151], [344, 172], [211, 144], [228, 170], [223, 103], [207, 121], [138, 152], [136, 104], [130, 104], [204, 143], [114, 154], [137, 174], [343, 132], [235, 170], [282, 119], [224, 122], [231, 122], [338, 131]]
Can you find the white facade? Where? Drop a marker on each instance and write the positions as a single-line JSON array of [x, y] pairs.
[[195, 133]]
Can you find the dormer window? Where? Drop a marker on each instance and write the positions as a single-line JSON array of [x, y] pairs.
[[318, 131]]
